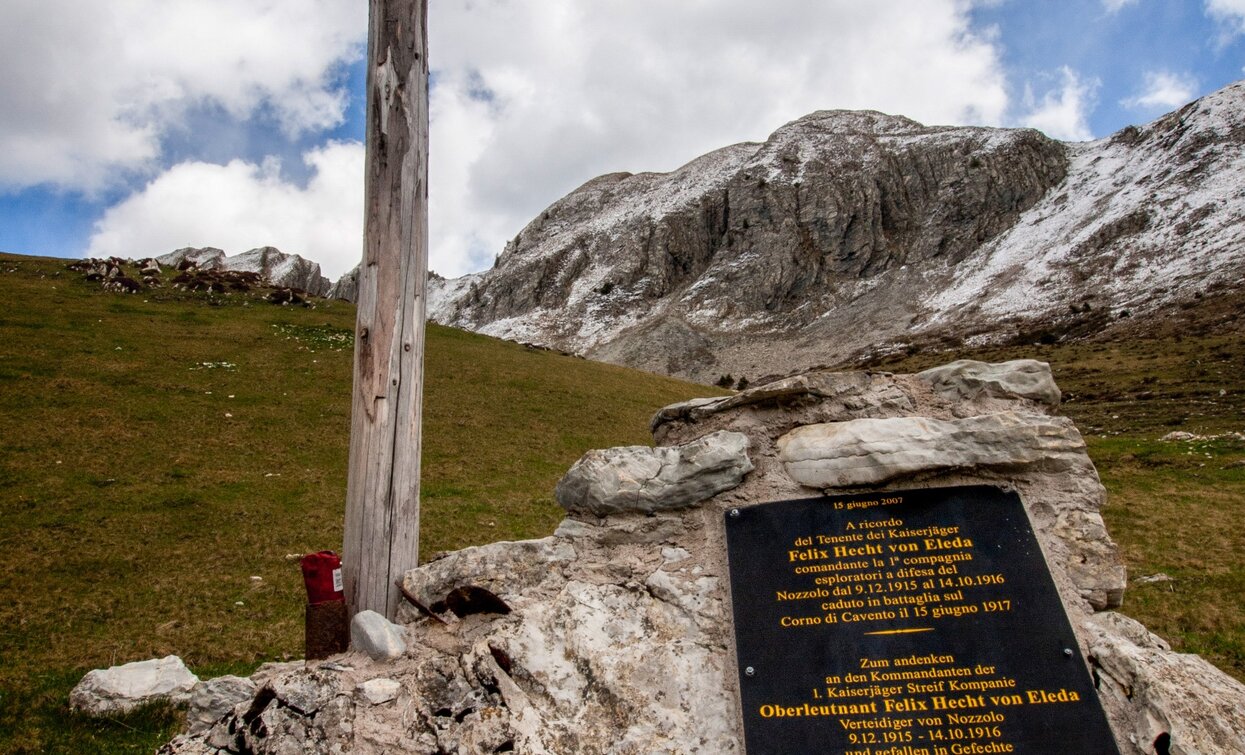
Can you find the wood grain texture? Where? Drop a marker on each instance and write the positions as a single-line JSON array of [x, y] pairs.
[[382, 500]]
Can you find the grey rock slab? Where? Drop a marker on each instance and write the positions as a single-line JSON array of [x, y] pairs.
[[851, 389], [305, 690], [212, 699], [375, 635], [123, 688], [966, 379], [379, 691], [1175, 698], [643, 479], [1095, 565], [871, 451], [504, 568]]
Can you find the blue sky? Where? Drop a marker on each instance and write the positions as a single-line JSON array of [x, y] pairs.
[[137, 128]]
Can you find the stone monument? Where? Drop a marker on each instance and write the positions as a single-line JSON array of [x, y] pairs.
[[622, 632]]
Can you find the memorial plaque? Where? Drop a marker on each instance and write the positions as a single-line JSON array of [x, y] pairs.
[[919, 622]]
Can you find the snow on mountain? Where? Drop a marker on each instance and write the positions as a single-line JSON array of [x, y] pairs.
[[846, 234]]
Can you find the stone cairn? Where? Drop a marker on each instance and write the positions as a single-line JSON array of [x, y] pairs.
[[614, 634]]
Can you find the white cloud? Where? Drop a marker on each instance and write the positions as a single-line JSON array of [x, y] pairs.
[[1230, 13], [240, 206], [1162, 91], [533, 99], [1114, 6], [89, 87], [1062, 112]]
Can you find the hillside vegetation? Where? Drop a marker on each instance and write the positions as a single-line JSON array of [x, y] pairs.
[[161, 451]]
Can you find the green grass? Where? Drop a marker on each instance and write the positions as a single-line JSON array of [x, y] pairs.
[[134, 510], [157, 451]]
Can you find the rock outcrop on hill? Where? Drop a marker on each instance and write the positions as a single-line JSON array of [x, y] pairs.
[[274, 267], [346, 287], [849, 234], [615, 634]]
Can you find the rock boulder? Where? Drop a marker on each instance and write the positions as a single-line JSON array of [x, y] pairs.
[[639, 478], [121, 689]]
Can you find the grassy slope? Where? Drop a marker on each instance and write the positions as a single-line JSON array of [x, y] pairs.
[[144, 537], [157, 455]]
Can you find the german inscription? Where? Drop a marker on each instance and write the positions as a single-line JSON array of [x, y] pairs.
[[919, 622]]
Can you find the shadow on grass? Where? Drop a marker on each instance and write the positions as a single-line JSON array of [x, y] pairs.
[[35, 718]]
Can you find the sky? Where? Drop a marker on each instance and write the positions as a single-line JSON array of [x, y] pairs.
[[136, 127]]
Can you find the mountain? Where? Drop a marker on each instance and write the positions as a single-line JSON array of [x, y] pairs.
[[851, 235], [272, 265]]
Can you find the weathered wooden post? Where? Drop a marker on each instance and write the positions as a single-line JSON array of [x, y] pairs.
[[382, 502]]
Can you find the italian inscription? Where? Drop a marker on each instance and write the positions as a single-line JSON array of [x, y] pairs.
[[919, 622]]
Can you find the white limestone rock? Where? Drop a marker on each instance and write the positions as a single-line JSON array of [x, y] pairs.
[[966, 379], [379, 691], [639, 478], [504, 568], [280, 269], [1164, 702], [872, 451], [854, 393], [204, 258], [375, 635], [120, 689], [212, 699], [1095, 566]]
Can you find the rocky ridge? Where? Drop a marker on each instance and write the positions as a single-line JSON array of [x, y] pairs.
[[851, 234], [287, 278], [273, 266], [614, 634]]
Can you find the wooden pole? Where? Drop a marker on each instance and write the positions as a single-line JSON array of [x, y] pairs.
[[382, 499]]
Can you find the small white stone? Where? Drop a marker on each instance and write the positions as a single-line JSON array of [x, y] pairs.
[[375, 635], [675, 555], [379, 691]]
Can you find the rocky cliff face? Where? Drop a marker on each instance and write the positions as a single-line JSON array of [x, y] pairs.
[[850, 233], [272, 265]]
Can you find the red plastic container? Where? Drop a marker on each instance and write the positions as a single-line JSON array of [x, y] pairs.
[[322, 575]]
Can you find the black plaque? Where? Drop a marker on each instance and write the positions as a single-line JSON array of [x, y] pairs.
[[917, 622]]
